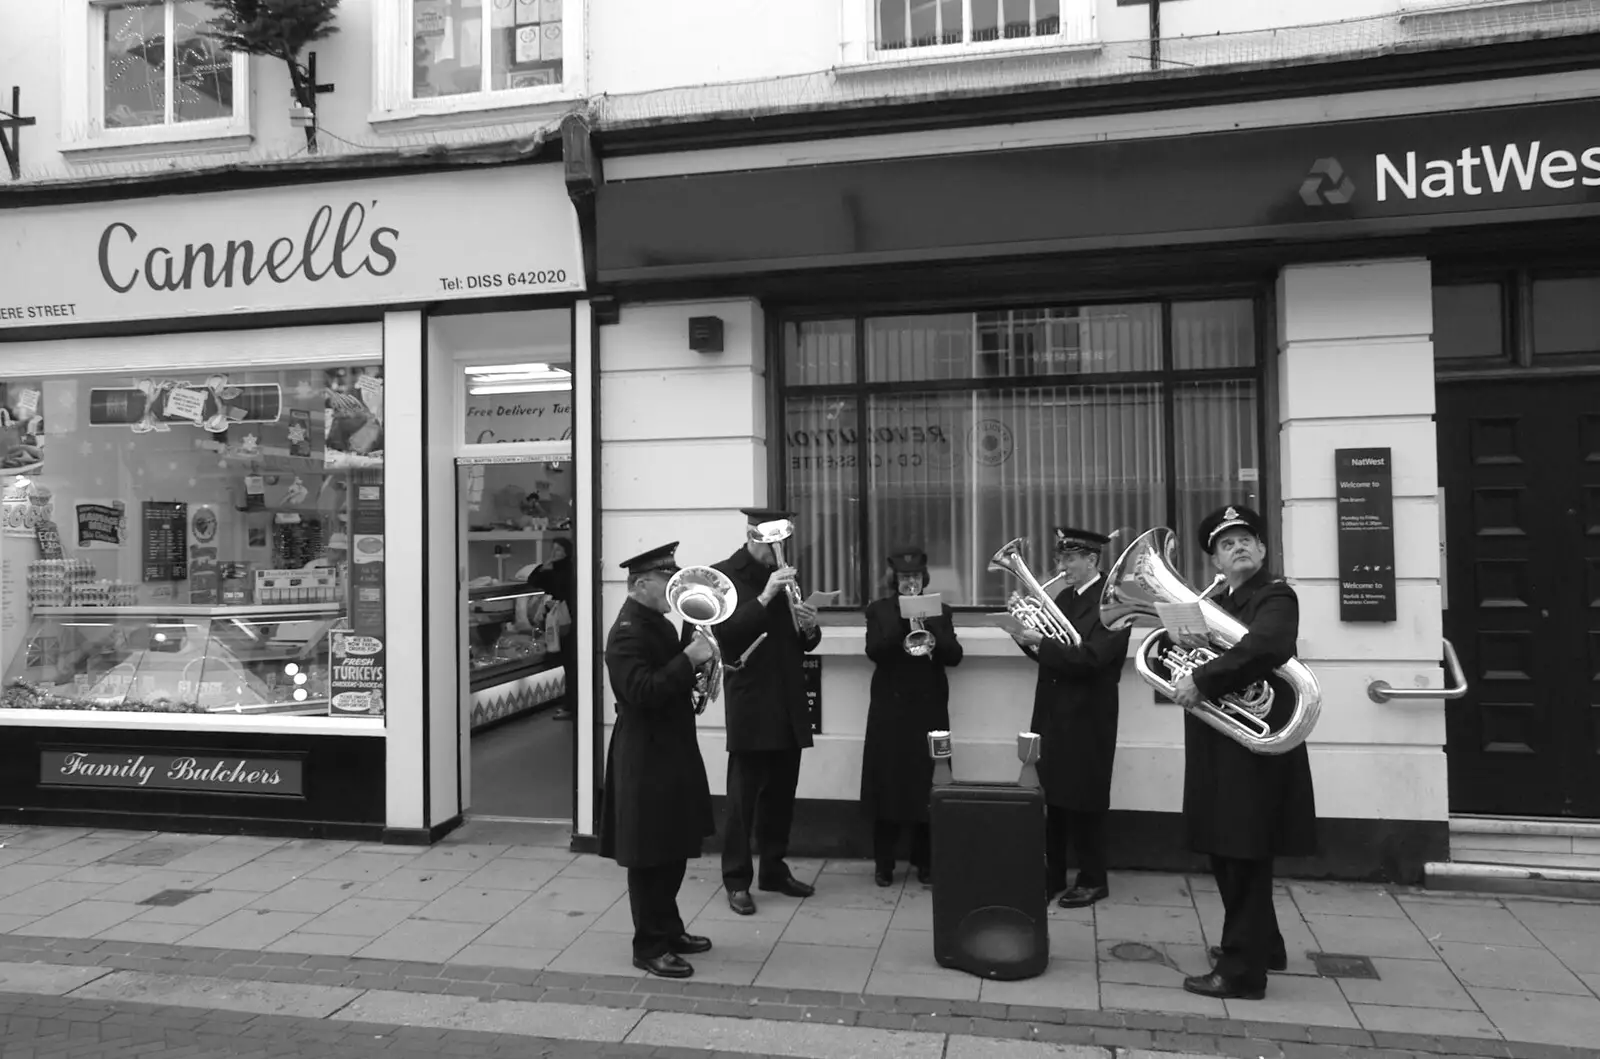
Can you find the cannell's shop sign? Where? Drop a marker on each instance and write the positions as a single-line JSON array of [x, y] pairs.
[[392, 240], [141, 770]]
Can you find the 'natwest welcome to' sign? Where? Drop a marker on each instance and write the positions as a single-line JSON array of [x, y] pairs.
[[386, 241]]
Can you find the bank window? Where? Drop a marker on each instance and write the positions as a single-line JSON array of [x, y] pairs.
[[462, 55], [918, 27], [1566, 315], [957, 431], [198, 542], [1469, 321], [145, 71]]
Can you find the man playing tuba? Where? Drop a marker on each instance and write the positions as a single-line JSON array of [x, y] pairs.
[[1240, 807], [1075, 706]]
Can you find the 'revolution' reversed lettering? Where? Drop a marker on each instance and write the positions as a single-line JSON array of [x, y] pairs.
[[125, 263], [1478, 169]]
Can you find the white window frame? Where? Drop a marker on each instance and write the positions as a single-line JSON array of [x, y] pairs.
[[83, 29], [392, 68], [860, 45]]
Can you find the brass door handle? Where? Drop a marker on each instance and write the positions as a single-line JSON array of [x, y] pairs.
[[1381, 691]]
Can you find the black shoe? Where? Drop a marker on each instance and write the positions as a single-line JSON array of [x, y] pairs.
[[667, 965], [1083, 896], [791, 887], [1278, 962], [883, 878], [1223, 988], [741, 902], [925, 876], [689, 944]]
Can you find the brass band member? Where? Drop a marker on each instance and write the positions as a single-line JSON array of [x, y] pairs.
[[657, 805], [1240, 807], [910, 698], [1075, 706], [768, 722]]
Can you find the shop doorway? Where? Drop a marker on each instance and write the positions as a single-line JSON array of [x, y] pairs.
[[515, 539], [1519, 465]]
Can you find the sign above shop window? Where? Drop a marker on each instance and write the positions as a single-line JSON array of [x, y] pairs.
[[198, 772], [382, 242]]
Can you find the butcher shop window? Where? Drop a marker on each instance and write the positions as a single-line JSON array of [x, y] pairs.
[[957, 431]]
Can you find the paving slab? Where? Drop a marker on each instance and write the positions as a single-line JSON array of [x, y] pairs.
[[964, 1047], [263, 998], [845, 968], [672, 1029], [45, 979], [1543, 1018], [575, 1022], [86, 919], [1510, 967], [1474, 1023]]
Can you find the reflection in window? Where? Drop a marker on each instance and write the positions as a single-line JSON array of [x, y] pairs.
[[961, 471], [462, 47], [1566, 315], [928, 23], [160, 68], [1468, 321]]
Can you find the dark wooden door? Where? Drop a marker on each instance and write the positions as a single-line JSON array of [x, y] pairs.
[[1519, 463]]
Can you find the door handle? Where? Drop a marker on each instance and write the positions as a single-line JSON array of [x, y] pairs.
[[1381, 691]]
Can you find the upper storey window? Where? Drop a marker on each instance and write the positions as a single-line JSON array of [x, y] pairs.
[[899, 30]]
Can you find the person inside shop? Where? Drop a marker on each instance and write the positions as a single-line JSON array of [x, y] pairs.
[[1075, 707], [768, 723], [557, 577], [656, 809], [910, 697], [1243, 808]]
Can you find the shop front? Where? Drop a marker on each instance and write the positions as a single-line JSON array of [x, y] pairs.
[[241, 583], [934, 340]]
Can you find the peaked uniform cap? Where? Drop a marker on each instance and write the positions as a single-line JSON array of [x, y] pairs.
[[1234, 516], [908, 560], [758, 515], [662, 558], [1085, 540]]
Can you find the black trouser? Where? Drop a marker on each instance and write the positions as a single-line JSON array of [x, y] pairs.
[[1250, 935], [761, 786], [569, 670], [653, 897], [1087, 832], [886, 836]]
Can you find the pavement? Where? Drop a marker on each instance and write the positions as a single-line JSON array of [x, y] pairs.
[[500, 941]]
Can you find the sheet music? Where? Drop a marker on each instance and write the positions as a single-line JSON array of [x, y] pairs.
[[823, 599], [929, 606], [1183, 619]]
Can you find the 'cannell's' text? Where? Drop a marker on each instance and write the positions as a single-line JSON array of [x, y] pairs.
[[127, 260]]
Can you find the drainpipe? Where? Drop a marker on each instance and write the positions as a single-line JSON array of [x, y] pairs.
[[1155, 34]]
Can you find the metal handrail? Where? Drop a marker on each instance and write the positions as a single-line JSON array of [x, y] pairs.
[[1381, 691]]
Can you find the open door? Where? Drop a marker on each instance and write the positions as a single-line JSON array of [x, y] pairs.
[[516, 596]]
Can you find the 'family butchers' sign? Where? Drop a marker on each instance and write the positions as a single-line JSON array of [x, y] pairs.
[[139, 770], [384, 241]]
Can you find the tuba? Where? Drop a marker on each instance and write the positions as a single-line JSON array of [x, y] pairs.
[[1035, 608], [702, 597], [1144, 577], [775, 533]]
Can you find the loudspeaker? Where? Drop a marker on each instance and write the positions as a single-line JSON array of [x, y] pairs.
[[989, 901]]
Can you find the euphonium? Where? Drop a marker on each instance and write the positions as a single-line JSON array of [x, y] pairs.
[[1035, 609], [702, 597], [775, 533], [1144, 576]]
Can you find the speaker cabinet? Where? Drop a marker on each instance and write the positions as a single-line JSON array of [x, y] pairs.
[[989, 901]]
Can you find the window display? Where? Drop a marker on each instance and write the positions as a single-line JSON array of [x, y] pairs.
[[193, 543]]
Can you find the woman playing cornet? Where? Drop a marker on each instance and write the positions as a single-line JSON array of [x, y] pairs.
[[910, 698]]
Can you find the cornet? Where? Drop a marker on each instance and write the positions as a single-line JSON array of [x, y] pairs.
[[702, 597], [919, 642], [1143, 578], [1034, 608], [775, 533]]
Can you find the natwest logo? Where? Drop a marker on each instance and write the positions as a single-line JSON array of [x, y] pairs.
[[1480, 170]]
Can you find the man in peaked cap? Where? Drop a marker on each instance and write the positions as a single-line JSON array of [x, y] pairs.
[[657, 806], [1075, 707], [768, 723], [1240, 807]]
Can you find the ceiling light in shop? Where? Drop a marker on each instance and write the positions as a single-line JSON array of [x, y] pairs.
[[519, 387], [531, 377]]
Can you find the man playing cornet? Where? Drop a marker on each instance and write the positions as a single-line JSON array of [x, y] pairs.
[[1240, 807], [767, 721], [1075, 709], [657, 805]]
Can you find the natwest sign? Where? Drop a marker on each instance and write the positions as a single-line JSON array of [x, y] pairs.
[[1486, 169], [385, 241]]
